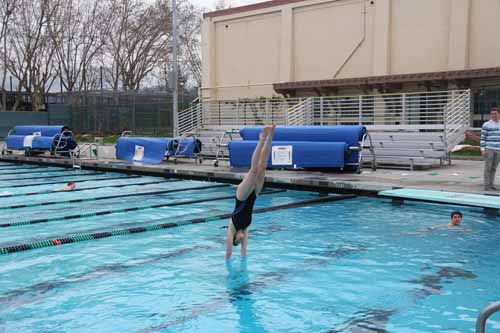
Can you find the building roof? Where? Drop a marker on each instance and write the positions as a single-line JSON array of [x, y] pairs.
[[247, 8], [372, 81]]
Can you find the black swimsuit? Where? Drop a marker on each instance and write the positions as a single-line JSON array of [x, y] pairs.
[[242, 214]]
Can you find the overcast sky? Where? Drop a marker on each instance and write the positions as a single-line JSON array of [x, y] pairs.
[[210, 4]]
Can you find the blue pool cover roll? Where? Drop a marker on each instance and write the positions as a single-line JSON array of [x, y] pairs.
[[304, 154], [153, 149], [349, 134], [44, 130], [15, 142], [47, 138]]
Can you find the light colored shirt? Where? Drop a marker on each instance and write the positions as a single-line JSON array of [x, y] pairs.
[[490, 135]]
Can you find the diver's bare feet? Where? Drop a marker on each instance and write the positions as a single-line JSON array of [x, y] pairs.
[[264, 133], [267, 132], [271, 132]]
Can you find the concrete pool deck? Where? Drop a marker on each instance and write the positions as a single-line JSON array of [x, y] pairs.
[[461, 176]]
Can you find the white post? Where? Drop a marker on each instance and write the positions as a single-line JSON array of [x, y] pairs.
[[360, 111], [238, 113], [403, 111], [321, 111], [445, 120], [267, 111]]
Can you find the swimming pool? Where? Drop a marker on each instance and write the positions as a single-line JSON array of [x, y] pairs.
[[353, 265]]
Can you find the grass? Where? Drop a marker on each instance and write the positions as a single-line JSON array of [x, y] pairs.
[[467, 152]]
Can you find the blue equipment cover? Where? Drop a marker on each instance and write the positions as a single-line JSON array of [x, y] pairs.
[[153, 149], [47, 137], [15, 142], [349, 134], [304, 154], [44, 130], [42, 142], [188, 147], [67, 143]]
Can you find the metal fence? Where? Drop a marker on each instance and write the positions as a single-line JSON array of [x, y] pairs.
[[9, 119], [426, 110], [104, 113]]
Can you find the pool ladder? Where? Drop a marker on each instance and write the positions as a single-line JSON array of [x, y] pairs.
[[76, 157], [484, 315]]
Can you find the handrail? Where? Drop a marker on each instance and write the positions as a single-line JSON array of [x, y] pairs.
[[218, 143], [297, 114], [125, 133], [190, 119], [456, 119], [372, 150], [58, 145], [176, 155], [75, 154], [484, 315]]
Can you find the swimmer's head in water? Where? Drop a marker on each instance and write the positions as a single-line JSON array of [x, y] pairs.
[[238, 237], [456, 218], [71, 186]]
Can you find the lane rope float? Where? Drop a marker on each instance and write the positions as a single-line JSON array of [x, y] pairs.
[[121, 210], [73, 181], [58, 176], [29, 172], [93, 188], [122, 232], [115, 196], [23, 167]]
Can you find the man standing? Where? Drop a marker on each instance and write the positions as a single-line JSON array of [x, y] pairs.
[[490, 148]]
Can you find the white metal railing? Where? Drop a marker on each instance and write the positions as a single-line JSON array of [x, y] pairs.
[[301, 113], [443, 111], [236, 113], [190, 119], [418, 110], [457, 118]]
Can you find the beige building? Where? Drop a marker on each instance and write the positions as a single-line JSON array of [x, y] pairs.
[[332, 47]]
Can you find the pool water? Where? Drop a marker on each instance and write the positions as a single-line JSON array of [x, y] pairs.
[[357, 265]]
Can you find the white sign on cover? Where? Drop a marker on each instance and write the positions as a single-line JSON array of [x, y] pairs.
[[281, 155], [139, 153], [28, 139]]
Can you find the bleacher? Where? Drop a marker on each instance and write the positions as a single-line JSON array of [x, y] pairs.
[[412, 130], [410, 150]]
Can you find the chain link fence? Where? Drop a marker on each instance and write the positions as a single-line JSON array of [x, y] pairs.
[[111, 113]]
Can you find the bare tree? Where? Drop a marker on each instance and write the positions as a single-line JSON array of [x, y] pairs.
[[31, 60], [190, 42], [7, 8], [138, 41], [78, 31], [126, 42], [222, 4]]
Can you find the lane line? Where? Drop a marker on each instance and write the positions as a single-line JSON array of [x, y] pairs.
[[93, 188], [66, 181], [115, 196], [119, 210], [121, 232], [58, 176]]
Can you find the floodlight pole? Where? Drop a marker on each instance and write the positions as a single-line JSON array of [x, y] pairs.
[[174, 76]]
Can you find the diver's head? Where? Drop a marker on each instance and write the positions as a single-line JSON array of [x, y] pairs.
[[238, 237]]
